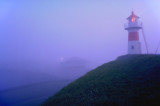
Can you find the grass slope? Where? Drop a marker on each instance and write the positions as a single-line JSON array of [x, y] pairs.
[[129, 80]]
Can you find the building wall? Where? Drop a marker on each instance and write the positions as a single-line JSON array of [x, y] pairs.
[[134, 47]]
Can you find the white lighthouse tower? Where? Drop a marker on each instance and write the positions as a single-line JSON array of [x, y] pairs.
[[133, 27]]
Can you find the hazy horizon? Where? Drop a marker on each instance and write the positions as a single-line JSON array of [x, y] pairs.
[[37, 35]]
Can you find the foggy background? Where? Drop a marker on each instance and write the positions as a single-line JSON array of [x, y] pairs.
[[63, 39]]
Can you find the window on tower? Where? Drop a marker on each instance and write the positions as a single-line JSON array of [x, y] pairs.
[[133, 19]]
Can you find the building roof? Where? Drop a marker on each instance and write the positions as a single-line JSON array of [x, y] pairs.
[[132, 15]]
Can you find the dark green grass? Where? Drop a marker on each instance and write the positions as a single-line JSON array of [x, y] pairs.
[[130, 80]]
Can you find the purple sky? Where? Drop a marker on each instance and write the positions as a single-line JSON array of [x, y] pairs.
[[53, 30]]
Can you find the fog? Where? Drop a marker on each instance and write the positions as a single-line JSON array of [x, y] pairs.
[[38, 39]]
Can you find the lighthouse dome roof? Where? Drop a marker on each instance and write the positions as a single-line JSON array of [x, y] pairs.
[[132, 15]]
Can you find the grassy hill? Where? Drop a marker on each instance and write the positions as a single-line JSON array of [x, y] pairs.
[[130, 80]]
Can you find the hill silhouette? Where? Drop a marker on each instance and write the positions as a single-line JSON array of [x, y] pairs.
[[130, 80]]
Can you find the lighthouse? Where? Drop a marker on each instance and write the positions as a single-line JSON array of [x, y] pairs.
[[133, 27]]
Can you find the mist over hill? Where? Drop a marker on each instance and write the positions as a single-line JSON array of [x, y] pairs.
[[130, 80], [31, 83], [23, 73], [73, 68]]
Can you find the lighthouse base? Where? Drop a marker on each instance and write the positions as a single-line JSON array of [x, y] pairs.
[[134, 47]]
